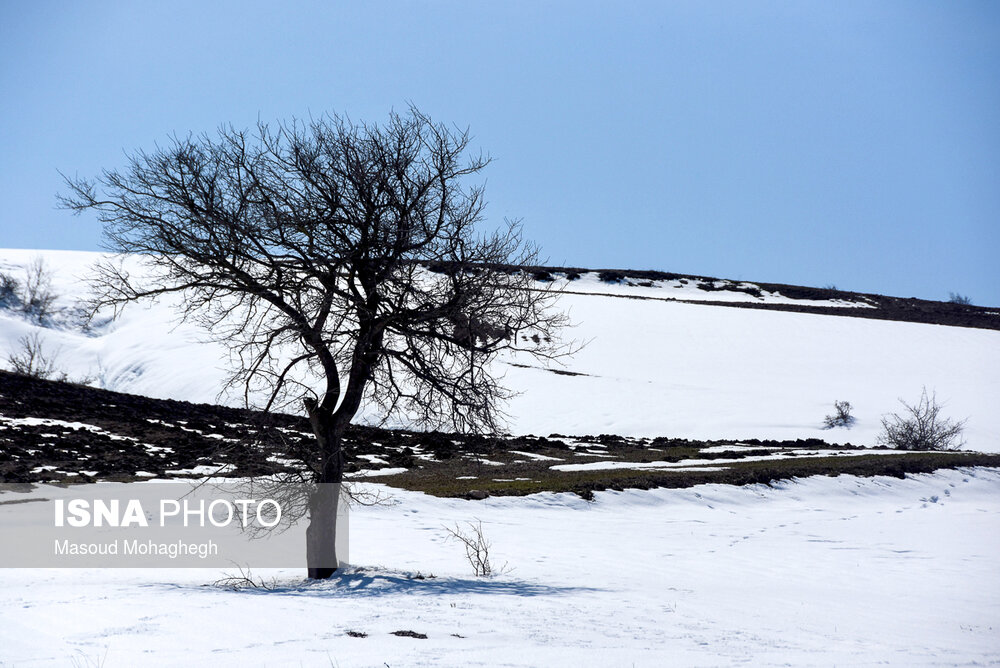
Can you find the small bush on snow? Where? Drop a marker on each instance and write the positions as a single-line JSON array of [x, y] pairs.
[[31, 359], [841, 417], [10, 288], [921, 427], [33, 295], [477, 549]]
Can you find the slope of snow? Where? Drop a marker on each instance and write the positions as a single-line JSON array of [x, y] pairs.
[[649, 367], [824, 571]]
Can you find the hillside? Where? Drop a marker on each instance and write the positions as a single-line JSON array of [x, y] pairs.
[[62, 432], [664, 355]]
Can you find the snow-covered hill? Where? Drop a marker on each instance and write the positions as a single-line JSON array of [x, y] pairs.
[[662, 358]]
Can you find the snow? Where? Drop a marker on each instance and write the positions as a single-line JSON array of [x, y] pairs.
[[50, 422], [695, 371], [373, 473], [823, 571], [203, 470], [690, 464], [536, 456]]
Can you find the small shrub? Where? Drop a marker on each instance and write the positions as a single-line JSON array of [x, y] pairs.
[[921, 427], [572, 275], [956, 298], [477, 549], [841, 417], [32, 360], [37, 297], [10, 289], [33, 296], [245, 580]]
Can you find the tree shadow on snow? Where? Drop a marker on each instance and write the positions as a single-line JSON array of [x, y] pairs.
[[361, 582]]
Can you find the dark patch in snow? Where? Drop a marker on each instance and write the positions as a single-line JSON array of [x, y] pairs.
[[410, 634]]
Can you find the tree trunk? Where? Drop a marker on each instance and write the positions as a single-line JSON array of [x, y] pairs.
[[321, 534]]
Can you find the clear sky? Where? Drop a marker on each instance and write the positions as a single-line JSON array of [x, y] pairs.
[[854, 143]]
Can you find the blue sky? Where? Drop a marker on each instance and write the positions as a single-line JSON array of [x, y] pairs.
[[854, 143]]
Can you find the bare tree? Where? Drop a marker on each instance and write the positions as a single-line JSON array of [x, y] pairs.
[[339, 251]]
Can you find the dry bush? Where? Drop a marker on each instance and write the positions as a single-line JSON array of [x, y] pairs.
[[33, 295], [245, 580], [37, 297], [10, 289], [477, 549], [841, 417], [921, 427], [31, 359]]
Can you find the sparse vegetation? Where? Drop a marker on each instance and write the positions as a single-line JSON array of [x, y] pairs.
[[245, 580], [956, 298], [33, 296], [841, 416], [921, 427], [37, 297], [82, 660], [31, 359], [477, 549], [10, 289]]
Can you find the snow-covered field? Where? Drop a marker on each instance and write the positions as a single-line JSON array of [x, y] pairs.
[[823, 571]]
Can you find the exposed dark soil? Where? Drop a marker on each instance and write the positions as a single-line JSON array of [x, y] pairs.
[[127, 437]]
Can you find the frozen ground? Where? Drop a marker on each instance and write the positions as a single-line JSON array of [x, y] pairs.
[[825, 571]]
